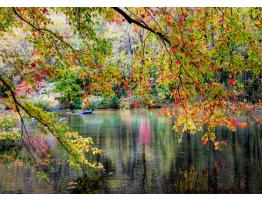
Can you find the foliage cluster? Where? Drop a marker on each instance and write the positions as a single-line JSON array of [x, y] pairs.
[[202, 64]]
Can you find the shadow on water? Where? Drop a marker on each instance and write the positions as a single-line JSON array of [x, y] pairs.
[[142, 155]]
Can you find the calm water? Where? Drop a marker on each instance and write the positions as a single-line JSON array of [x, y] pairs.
[[142, 155]]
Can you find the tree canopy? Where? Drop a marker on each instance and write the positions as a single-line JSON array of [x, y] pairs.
[[202, 64]]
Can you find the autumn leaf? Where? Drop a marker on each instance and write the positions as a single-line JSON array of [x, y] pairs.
[[177, 102], [232, 81], [233, 122], [33, 64]]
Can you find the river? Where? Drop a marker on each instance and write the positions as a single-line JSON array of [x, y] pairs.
[[142, 155]]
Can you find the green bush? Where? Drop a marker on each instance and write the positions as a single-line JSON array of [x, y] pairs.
[[45, 102], [114, 102], [10, 135], [125, 103], [77, 104], [105, 103], [7, 127], [95, 102], [69, 86], [8, 121], [2, 107]]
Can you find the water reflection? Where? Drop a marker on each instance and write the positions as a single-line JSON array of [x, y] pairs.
[[144, 131], [142, 155]]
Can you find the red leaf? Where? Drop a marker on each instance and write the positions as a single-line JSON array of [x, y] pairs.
[[221, 20], [196, 82], [34, 53], [45, 11], [224, 142], [233, 122], [178, 62], [22, 88], [173, 50], [169, 20], [242, 124], [204, 141], [177, 102], [232, 81], [202, 90], [33, 64]]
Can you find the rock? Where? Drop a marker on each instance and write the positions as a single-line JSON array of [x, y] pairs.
[[62, 120], [86, 112], [71, 185]]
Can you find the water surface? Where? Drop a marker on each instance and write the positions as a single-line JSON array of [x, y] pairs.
[[142, 155]]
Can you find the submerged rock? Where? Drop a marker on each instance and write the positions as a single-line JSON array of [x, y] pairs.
[[85, 184], [71, 185], [86, 112]]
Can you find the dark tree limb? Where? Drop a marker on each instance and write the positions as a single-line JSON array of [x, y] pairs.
[[130, 20], [19, 105]]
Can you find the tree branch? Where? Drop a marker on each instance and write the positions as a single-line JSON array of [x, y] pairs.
[[130, 20], [18, 104], [51, 33]]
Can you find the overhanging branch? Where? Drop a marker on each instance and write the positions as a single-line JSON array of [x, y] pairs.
[[130, 20]]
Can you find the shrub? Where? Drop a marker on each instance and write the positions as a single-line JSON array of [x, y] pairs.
[[45, 102], [10, 135], [7, 127], [8, 121], [2, 107], [125, 103], [114, 102], [77, 104], [94, 102], [105, 103]]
